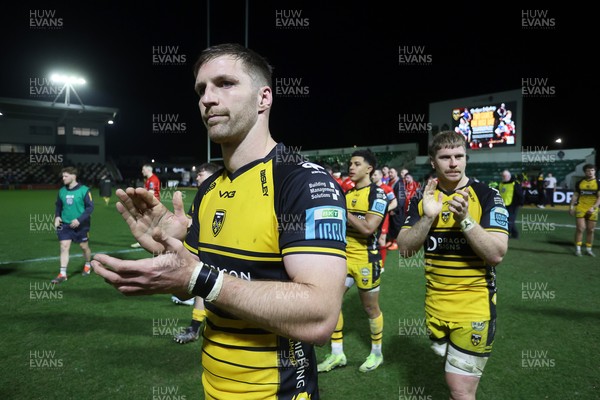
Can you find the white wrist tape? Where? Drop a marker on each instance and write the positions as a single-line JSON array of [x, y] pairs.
[[194, 276], [214, 293], [467, 224]]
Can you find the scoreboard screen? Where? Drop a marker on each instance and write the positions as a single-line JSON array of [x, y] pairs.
[[487, 126]]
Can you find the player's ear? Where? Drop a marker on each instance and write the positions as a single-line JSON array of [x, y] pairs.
[[265, 98]]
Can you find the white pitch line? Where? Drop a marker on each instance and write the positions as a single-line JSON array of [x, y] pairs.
[[32, 260]]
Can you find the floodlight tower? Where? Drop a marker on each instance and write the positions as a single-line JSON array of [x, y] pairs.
[[68, 82]]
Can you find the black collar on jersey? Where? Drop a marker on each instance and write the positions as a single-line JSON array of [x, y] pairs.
[[251, 164], [469, 183]]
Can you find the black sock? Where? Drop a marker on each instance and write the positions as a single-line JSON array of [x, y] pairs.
[[196, 325]]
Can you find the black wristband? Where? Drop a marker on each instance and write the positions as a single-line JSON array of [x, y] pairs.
[[205, 282]]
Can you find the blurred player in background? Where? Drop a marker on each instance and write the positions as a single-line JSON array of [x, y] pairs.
[[512, 195], [397, 215], [74, 207], [105, 187], [462, 226], [152, 185], [367, 204], [584, 206], [550, 187], [192, 332], [376, 178]]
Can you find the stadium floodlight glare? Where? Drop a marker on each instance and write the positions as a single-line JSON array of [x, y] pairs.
[[59, 78], [110, 122], [559, 140], [68, 82]]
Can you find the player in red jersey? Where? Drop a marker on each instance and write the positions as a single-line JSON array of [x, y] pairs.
[[152, 183]]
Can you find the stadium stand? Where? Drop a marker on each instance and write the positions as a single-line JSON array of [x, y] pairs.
[[490, 172], [396, 156], [19, 169]]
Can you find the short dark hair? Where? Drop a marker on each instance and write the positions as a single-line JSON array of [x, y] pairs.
[[589, 166], [69, 170], [256, 65], [211, 168], [368, 156]]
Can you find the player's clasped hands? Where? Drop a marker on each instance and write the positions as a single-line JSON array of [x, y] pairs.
[[165, 273], [144, 213], [459, 204], [432, 206]]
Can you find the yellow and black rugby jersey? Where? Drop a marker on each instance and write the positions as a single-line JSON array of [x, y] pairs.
[[244, 224], [588, 192], [460, 286], [370, 199]]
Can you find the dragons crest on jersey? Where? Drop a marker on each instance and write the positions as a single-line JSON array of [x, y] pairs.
[[218, 221], [445, 216]]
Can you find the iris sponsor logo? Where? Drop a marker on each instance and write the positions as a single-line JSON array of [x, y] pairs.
[[326, 223]]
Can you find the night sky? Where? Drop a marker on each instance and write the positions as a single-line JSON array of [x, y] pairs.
[[340, 64]]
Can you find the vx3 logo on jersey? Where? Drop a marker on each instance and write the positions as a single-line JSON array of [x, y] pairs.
[[227, 194]]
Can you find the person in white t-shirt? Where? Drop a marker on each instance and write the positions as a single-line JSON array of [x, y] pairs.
[[550, 187]]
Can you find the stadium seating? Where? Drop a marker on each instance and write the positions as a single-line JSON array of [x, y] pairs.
[[489, 172], [18, 168]]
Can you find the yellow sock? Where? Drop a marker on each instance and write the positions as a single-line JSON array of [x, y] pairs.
[[337, 337], [376, 326], [198, 315]]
